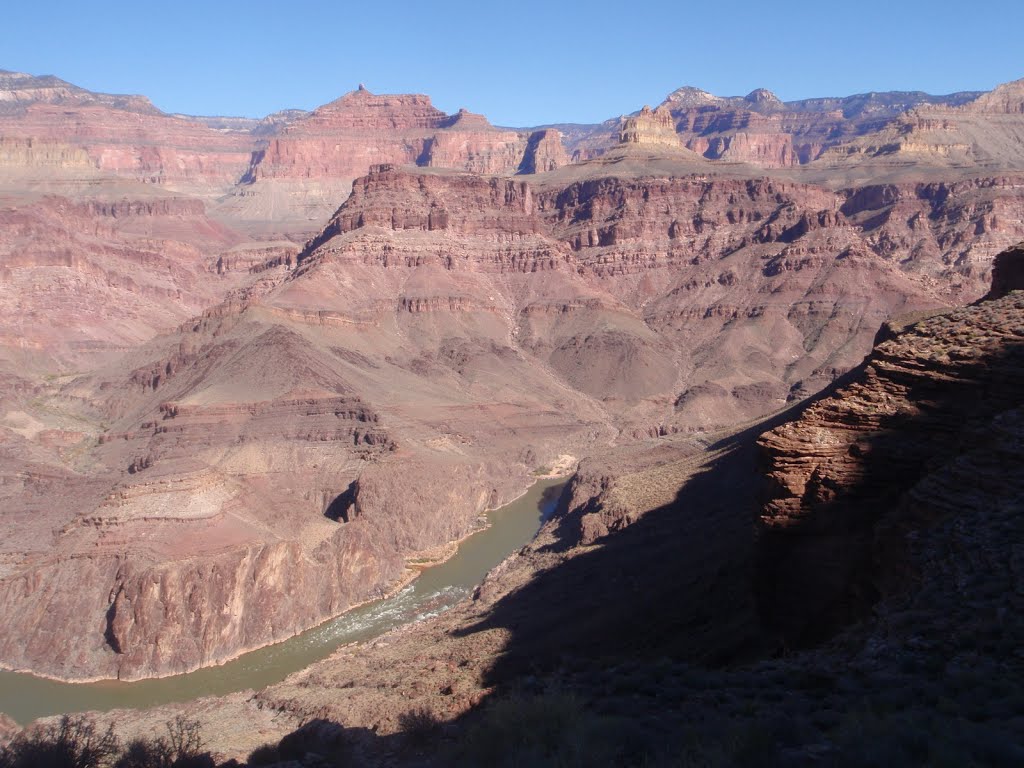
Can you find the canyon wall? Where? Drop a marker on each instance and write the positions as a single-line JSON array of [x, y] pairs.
[[201, 414], [921, 429]]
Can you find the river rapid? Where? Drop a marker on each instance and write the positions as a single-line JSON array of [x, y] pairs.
[[26, 697]]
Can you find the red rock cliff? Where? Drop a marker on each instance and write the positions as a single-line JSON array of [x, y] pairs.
[[862, 467]]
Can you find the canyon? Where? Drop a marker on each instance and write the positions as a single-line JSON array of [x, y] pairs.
[[250, 370], [881, 575]]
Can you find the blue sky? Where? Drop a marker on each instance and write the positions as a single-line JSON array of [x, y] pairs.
[[521, 63]]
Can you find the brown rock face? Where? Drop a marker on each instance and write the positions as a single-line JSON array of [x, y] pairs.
[[444, 325], [650, 128], [1007, 273], [701, 256], [19, 90], [141, 146], [544, 152], [886, 130], [8, 728], [344, 138], [83, 280], [873, 460], [198, 418], [305, 170], [985, 132]]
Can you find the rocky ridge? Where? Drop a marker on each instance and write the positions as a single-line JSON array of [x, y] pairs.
[[764, 131], [341, 141], [882, 455]]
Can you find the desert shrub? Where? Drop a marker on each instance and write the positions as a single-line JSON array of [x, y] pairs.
[[145, 753], [186, 740], [321, 738], [550, 729], [420, 725], [76, 742], [182, 747], [73, 742], [268, 754]]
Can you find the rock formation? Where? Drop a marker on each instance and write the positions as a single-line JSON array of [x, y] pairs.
[[650, 128], [544, 152], [902, 488], [762, 130], [123, 137], [342, 140], [176, 367], [882, 456], [979, 134], [1007, 273]]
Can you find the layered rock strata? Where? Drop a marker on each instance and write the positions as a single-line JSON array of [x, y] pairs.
[[445, 335], [652, 556], [881, 456], [888, 131], [344, 138], [650, 128], [489, 323]]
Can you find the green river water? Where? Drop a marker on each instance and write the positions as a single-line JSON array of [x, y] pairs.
[[25, 697]]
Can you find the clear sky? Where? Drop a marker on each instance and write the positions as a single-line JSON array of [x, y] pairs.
[[520, 63]]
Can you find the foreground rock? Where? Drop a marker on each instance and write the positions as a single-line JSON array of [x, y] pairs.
[[933, 406]]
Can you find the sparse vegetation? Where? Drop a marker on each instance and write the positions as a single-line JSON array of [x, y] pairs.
[[317, 740], [548, 729], [420, 725], [268, 754], [75, 741]]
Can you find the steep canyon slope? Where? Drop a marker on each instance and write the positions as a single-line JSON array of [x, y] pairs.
[[838, 583], [202, 417]]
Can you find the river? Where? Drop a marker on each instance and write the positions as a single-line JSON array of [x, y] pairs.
[[26, 697]]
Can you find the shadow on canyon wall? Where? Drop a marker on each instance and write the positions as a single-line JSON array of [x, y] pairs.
[[695, 631], [677, 583]]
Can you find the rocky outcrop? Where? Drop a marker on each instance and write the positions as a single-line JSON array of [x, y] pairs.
[[141, 146], [8, 728], [764, 131], [196, 555], [702, 247], [1006, 99], [18, 90], [343, 139], [529, 313], [544, 152], [300, 173], [174, 617], [863, 466], [86, 278], [21, 154], [652, 128], [984, 132], [1007, 273]]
